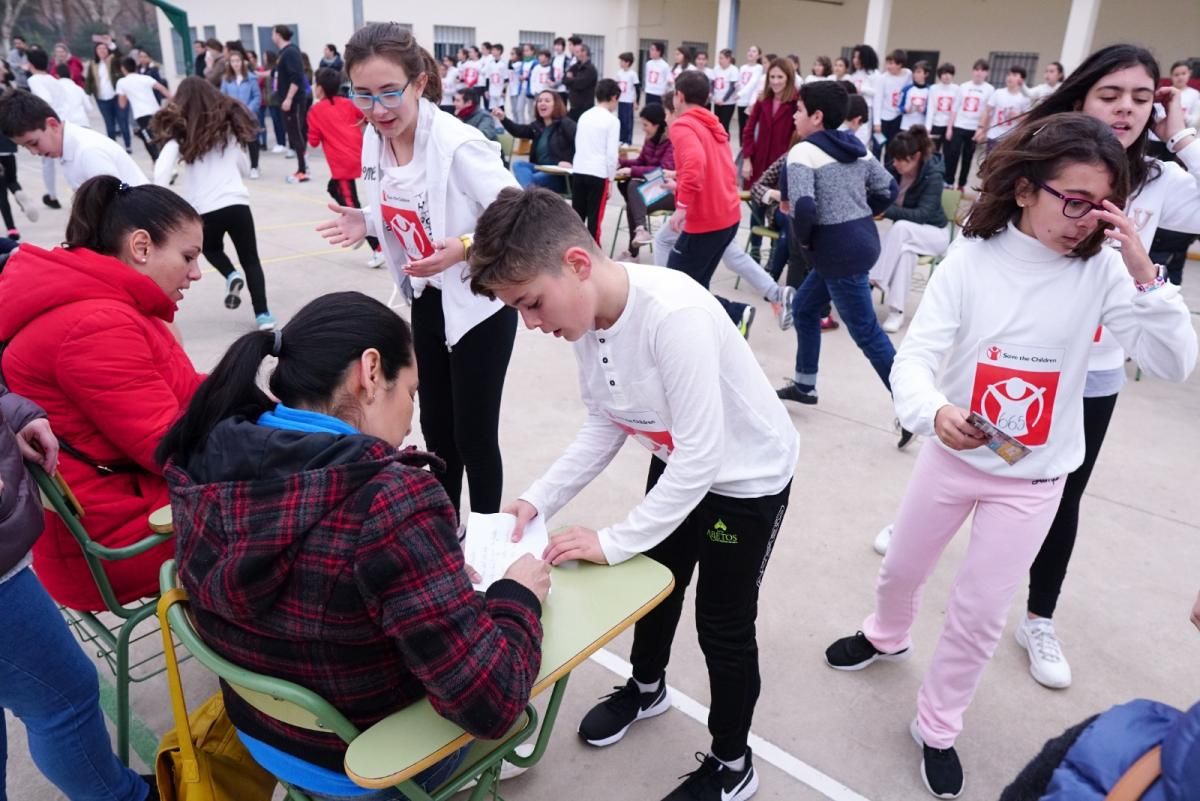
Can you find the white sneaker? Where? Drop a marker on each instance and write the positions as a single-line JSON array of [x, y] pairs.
[[376, 260], [882, 540], [254, 174], [290, 154], [277, 149], [1046, 661], [507, 769], [894, 321], [26, 205]]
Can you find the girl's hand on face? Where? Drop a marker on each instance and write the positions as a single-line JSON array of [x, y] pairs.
[[1133, 252]]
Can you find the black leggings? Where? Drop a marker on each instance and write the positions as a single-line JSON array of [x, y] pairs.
[[345, 193], [731, 540], [589, 194], [725, 114], [143, 133], [1050, 568], [960, 147], [8, 183], [294, 120], [460, 398], [238, 222]]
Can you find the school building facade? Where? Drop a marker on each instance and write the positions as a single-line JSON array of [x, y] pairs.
[[1029, 32]]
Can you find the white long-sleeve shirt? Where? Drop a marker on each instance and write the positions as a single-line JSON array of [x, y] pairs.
[[889, 89], [750, 83], [942, 98], [211, 182], [597, 143], [673, 373], [658, 75], [968, 108], [87, 153], [1171, 201], [1004, 330]]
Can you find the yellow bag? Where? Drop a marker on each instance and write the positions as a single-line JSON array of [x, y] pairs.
[[203, 759]]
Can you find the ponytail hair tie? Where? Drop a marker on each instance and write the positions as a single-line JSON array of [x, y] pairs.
[[277, 348], [122, 188]]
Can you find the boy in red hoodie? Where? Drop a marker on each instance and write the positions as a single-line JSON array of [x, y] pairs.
[[707, 208], [335, 124]]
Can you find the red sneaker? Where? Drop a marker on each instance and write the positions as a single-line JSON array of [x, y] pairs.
[[830, 324], [298, 178]]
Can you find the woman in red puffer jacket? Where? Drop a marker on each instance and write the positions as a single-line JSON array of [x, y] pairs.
[[88, 335]]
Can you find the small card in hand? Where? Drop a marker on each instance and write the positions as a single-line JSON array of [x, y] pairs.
[[1002, 444]]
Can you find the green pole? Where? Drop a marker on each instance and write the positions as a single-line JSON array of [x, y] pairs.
[[179, 21]]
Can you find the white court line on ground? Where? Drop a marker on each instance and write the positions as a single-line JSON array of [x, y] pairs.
[[768, 752]]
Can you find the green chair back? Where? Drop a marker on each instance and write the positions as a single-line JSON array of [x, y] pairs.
[[506, 146], [951, 200]]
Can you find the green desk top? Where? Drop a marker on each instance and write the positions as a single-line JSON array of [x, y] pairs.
[[588, 606]]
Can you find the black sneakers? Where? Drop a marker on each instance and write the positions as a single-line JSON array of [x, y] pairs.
[[793, 392], [607, 722], [713, 781], [855, 653], [940, 768]]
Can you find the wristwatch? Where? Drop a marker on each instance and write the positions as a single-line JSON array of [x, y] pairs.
[[1179, 137]]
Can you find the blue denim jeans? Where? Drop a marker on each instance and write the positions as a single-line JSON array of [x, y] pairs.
[[262, 126], [527, 176], [852, 296], [115, 118], [48, 683]]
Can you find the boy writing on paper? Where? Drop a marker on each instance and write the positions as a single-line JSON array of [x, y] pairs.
[[659, 362]]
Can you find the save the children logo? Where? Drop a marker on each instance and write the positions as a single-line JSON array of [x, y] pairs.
[[646, 428], [720, 533], [409, 223], [1015, 387]]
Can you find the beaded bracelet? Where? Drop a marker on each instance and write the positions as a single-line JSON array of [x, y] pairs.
[[1160, 279]]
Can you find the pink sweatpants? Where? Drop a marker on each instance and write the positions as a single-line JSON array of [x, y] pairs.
[[1012, 517]]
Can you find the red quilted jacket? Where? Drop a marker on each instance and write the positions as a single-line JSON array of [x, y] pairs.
[[88, 342]]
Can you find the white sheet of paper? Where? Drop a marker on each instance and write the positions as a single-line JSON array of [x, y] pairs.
[[489, 548]]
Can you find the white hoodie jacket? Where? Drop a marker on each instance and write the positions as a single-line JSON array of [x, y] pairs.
[[464, 175]]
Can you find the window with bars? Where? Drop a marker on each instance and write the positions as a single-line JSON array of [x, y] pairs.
[[246, 35], [267, 45], [596, 47], [541, 40], [182, 66], [694, 48], [1000, 62], [210, 32], [447, 39]]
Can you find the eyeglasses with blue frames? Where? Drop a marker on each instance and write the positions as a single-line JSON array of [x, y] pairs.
[[366, 101], [1074, 208]]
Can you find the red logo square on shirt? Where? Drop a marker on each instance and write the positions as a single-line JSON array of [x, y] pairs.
[[1015, 387], [407, 228], [945, 103], [971, 103], [918, 105]]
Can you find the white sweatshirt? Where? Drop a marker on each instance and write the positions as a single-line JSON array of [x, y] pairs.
[[889, 88], [597, 140], [211, 182], [750, 80], [76, 103], [942, 98], [87, 153], [968, 108], [1171, 201], [658, 75], [1004, 330], [464, 175], [673, 373]]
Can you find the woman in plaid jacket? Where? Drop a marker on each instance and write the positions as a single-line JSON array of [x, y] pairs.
[[316, 551]]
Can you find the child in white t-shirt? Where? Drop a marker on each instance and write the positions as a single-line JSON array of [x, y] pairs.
[[1004, 107], [914, 102], [136, 92], [822, 70], [627, 82], [968, 110], [497, 73], [750, 80], [858, 117], [597, 152], [724, 87], [942, 97], [889, 92], [658, 74]]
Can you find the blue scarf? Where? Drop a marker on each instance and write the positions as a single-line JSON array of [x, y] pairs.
[[301, 420]]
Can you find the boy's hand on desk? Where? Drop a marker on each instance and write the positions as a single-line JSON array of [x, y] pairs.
[[531, 573], [575, 542], [524, 512]]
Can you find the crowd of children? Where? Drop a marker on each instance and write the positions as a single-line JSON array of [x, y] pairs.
[[1010, 366]]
